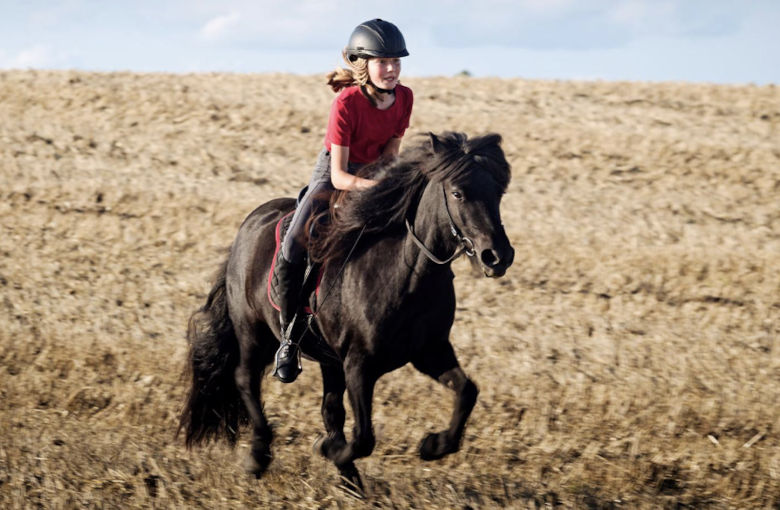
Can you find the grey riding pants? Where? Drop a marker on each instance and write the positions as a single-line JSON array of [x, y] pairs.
[[314, 201]]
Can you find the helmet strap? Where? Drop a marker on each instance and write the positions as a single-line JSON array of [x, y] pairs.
[[370, 97], [384, 91]]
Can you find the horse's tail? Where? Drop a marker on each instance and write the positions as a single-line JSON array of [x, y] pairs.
[[214, 407]]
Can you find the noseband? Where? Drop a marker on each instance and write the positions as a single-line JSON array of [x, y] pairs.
[[465, 245]]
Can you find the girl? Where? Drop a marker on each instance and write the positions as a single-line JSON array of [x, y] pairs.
[[367, 121]]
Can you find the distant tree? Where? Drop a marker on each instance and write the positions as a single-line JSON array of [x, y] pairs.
[[465, 73]]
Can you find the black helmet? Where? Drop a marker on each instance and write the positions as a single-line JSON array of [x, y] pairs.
[[376, 38]]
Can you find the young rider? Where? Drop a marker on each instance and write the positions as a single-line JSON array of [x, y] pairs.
[[367, 121]]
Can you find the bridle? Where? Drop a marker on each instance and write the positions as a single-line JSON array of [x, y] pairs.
[[465, 245]]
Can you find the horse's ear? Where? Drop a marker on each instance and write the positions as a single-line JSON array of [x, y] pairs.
[[436, 144]]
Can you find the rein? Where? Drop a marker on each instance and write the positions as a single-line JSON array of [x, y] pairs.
[[465, 245], [340, 272], [316, 313]]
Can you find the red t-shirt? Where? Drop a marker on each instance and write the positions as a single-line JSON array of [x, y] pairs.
[[355, 123]]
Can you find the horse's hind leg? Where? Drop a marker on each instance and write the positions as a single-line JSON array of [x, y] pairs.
[[257, 352], [440, 363], [333, 414]]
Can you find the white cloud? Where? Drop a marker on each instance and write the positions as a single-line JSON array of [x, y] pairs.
[[630, 12], [676, 19], [37, 56], [219, 27], [286, 24], [643, 17]]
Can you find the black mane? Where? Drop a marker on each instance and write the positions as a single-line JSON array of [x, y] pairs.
[[448, 157]]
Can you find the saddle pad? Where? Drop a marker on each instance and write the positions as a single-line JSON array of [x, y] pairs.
[[273, 281]]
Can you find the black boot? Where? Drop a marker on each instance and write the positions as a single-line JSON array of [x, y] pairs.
[[288, 357]]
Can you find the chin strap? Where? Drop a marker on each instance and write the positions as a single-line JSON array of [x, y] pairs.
[[465, 245], [384, 91]]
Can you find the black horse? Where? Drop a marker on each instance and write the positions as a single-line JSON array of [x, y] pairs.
[[385, 256]]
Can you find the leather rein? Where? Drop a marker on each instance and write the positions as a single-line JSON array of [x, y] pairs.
[[465, 245]]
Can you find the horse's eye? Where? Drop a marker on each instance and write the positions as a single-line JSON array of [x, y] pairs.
[[458, 195]]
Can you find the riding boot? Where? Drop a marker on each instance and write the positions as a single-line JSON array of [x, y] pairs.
[[288, 357]]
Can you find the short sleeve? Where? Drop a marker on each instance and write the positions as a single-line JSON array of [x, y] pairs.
[[403, 122]]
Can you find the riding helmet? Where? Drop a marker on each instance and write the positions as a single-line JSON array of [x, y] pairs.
[[376, 38]]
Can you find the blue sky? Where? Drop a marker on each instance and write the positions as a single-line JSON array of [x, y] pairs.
[[716, 41]]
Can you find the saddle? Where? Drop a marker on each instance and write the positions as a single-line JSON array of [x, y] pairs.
[[312, 345]]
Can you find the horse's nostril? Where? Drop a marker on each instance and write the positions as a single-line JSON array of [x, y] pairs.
[[489, 257]]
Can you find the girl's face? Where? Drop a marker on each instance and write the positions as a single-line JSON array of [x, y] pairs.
[[384, 72]]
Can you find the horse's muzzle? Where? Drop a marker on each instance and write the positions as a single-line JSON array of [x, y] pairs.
[[496, 262]]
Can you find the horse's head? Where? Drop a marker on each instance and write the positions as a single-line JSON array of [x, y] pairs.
[[474, 175]]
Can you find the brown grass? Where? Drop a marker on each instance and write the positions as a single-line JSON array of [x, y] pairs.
[[628, 359]]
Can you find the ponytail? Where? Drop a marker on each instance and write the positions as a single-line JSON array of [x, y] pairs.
[[356, 74]]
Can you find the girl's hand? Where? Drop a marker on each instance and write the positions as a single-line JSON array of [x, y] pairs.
[[339, 177]]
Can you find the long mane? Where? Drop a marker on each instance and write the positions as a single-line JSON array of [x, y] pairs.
[[382, 209]]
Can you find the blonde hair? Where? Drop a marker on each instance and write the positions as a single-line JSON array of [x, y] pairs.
[[356, 74]]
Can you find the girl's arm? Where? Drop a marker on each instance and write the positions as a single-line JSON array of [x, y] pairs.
[[392, 148], [339, 177]]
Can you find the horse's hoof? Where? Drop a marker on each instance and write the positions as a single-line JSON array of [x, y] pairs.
[[257, 462], [350, 482], [326, 446], [435, 446]]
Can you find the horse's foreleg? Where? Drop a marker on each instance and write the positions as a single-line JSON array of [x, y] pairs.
[[333, 414], [361, 394], [248, 379], [442, 365], [360, 387]]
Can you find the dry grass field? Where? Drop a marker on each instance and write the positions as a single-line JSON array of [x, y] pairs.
[[629, 358]]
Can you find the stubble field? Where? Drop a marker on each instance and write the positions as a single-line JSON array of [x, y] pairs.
[[629, 358]]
